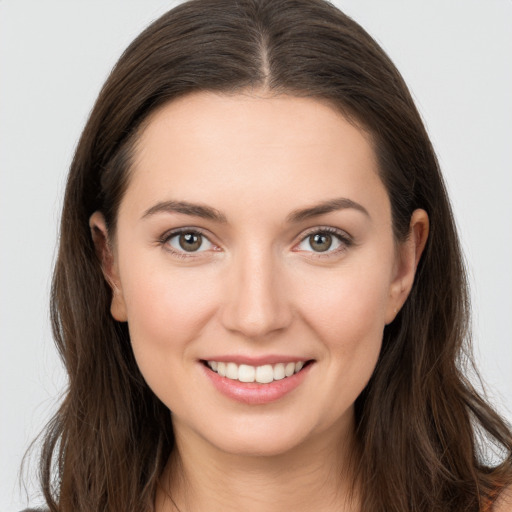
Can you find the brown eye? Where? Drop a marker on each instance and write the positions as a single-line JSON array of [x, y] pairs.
[[330, 241], [190, 241], [320, 242]]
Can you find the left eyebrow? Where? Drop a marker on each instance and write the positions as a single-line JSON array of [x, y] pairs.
[[329, 206]]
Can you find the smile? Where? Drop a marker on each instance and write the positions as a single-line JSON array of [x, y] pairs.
[[256, 384], [264, 374]]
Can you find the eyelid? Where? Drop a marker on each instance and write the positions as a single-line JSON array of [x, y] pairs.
[[165, 237], [344, 238]]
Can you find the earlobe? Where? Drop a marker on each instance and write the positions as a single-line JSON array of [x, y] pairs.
[[105, 255], [409, 256], [118, 306]]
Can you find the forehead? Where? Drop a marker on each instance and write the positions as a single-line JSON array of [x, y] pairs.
[[212, 147], [256, 119]]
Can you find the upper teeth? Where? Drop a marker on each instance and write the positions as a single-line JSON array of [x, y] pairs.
[[262, 374]]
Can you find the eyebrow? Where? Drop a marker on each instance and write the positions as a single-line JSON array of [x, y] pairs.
[[186, 208], [332, 205], [207, 212]]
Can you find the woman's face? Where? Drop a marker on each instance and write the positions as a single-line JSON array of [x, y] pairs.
[[256, 233]]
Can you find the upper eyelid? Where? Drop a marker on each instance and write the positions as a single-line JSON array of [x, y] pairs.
[[166, 237], [176, 231], [325, 229], [320, 229], [344, 238]]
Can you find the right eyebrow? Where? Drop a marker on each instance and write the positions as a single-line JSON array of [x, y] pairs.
[[186, 208]]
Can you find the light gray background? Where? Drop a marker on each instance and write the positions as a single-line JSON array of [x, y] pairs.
[[54, 55]]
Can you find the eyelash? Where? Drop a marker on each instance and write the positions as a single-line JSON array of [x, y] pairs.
[[166, 237], [345, 239]]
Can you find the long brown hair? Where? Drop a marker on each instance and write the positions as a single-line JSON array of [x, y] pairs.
[[420, 423]]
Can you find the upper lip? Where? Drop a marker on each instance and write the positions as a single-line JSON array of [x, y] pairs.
[[256, 360]]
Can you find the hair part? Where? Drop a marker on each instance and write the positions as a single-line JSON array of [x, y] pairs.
[[418, 410]]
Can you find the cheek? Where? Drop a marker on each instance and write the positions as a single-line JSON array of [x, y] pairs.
[[346, 304], [347, 314], [167, 298], [167, 310]]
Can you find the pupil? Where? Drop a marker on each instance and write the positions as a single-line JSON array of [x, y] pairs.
[[320, 242], [190, 241]]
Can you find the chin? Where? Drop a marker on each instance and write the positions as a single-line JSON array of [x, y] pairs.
[[269, 445]]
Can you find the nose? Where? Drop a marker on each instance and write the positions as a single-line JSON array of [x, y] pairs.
[[256, 302]]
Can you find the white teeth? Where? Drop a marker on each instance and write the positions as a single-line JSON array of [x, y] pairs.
[[221, 369], [289, 369], [246, 373], [232, 371], [279, 371], [262, 374]]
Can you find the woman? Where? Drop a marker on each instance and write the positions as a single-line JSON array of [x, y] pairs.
[[256, 237]]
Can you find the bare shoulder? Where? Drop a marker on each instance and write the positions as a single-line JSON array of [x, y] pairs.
[[504, 501]]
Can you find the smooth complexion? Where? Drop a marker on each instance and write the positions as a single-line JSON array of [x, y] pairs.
[[255, 229]]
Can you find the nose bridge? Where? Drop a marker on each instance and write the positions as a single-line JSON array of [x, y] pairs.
[[256, 299]]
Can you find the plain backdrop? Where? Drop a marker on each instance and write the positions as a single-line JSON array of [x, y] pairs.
[[456, 57]]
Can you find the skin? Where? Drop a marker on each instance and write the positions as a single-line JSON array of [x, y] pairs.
[[504, 502], [257, 287]]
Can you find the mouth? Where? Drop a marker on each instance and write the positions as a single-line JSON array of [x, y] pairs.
[[263, 374]]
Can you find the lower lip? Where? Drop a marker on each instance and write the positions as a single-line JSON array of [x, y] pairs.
[[254, 393]]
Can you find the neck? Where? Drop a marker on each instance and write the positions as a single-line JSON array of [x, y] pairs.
[[314, 476]]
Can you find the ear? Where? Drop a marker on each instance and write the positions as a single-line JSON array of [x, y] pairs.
[[408, 256], [105, 255]]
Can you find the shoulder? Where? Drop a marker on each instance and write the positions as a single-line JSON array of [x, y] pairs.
[[504, 501]]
